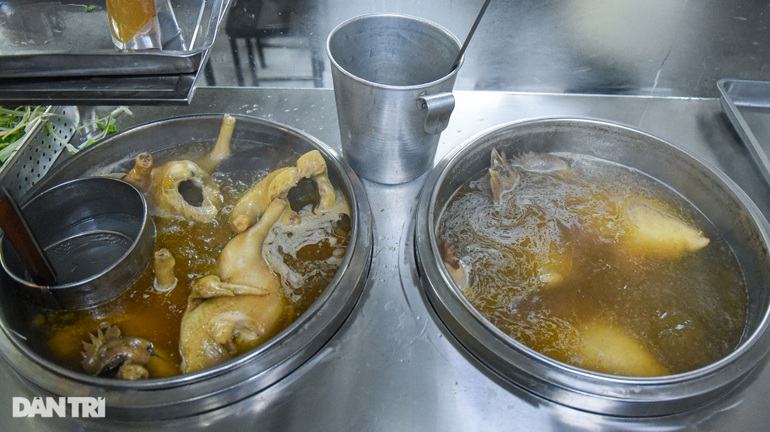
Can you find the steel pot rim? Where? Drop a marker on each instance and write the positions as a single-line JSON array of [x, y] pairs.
[[246, 374], [564, 383], [393, 16]]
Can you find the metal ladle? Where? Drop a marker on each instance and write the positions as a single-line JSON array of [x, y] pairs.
[[470, 35], [18, 232], [95, 232]]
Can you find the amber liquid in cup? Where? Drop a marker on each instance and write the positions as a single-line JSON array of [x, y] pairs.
[[134, 24]]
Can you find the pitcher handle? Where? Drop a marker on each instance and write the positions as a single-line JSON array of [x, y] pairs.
[[439, 107]]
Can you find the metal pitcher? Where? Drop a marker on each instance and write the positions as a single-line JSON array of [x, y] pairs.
[[393, 77]]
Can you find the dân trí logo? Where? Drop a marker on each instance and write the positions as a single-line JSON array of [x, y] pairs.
[[79, 407]]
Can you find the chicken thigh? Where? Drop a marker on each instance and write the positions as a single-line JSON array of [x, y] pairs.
[[256, 199]]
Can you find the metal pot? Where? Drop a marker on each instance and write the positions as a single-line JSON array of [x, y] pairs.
[[738, 220], [257, 144]]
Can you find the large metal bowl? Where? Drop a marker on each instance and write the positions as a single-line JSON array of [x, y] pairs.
[[711, 192], [257, 144]]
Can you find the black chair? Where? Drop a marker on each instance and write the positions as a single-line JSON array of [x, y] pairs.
[[263, 24]]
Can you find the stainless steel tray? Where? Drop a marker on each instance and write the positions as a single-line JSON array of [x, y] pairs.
[[52, 38], [747, 104], [101, 90]]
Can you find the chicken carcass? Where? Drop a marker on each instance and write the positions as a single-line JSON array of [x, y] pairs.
[[242, 305], [256, 199], [162, 183]]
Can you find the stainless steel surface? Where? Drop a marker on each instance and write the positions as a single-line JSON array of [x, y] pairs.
[[60, 53], [672, 48], [732, 213], [42, 145], [256, 145], [391, 366], [476, 22], [393, 80], [101, 90], [98, 235], [45, 38], [747, 104]]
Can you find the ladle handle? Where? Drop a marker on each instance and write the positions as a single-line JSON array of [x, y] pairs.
[[17, 231], [470, 35]]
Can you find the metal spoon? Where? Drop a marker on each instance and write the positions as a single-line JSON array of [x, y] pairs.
[[17, 231], [470, 35]]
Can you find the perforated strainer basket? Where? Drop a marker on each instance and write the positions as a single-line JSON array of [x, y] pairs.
[[39, 149]]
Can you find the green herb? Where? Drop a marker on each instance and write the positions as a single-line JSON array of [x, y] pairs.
[[14, 124], [90, 8], [97, 129]]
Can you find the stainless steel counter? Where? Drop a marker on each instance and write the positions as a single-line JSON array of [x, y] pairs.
[[392, 366]]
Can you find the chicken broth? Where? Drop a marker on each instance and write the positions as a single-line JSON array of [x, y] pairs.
[[597, 266], [144, 312]]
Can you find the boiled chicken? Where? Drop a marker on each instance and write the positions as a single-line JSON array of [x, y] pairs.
[[540, 162], [556, 267], [162, 183], [163, 267], [607, 349], [256, 199], [242, 305], [454, 266], [111, 354], [656, 232], [504, 176]]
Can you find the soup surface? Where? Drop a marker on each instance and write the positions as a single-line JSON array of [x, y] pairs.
[[305, 257], [598, 266]]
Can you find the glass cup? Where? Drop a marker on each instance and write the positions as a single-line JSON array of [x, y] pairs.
[[134, 24]]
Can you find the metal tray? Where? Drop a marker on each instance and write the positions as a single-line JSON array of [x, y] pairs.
[[53, 38], [101, 90], [747, 104]]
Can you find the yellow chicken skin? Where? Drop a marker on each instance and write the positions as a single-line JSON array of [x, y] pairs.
[[655, 232], [253, 203], [242, 305], [606, 349], [256, 199], [454, 266], [162, 183]]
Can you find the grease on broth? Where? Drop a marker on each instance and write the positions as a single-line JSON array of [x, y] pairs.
[[558, 266], [156, 316]]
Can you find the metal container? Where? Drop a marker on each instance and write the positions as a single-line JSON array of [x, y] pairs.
[[393, 77], [256, 144], [41, 147], [97, 233], [722, 202]]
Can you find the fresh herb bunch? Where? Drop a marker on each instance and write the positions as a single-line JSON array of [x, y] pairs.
[[97, 129], [14, 123]]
